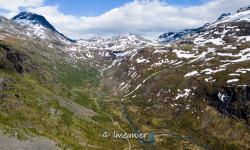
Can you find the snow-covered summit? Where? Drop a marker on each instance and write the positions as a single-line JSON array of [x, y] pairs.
[[243, 9], [30, 18], [224, 15], [173, 36], [128, 38], [116, 43], [38, 25], [243, 14]]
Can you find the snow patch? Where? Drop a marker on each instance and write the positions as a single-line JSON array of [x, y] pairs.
[[142, 60], [183, 54], [242, 70], [201, 41], [182, 94], [2, 37], [191, 73], [232, 80]]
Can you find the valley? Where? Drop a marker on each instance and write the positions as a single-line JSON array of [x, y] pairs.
[[186, 90]]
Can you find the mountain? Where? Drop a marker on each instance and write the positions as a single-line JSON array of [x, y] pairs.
[[124, 41], [174, 36], [187, 87], [38, 79], [223, 16], [192, 93], [242, 14], [32, 19], [121, 42], [243, 9], [39, 26]]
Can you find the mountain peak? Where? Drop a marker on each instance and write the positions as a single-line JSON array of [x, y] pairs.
[[174, 36], [243, 9], [224, 15], [127, 35], [32, 18]]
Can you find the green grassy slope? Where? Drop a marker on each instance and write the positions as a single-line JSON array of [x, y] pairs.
[[29, 104]]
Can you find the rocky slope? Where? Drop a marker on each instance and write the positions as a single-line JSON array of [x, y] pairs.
[[188, 85], [45, 92]]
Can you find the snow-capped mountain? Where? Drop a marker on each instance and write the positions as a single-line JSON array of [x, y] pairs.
[[217, 55], [117, 43], [29, 18], [224, 15], [38, 25], [243, 14], [31, 26], [127, 41], [243, 9], [174, 36]]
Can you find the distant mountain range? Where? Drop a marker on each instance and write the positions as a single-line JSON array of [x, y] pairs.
[[39, 23]]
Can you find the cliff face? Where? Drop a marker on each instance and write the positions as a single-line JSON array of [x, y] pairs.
[[230, 101]]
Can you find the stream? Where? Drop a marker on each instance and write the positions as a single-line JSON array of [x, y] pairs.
[[151, 137]]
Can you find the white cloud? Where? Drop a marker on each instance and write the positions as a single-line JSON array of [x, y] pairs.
[[15, 5], [146, 17]]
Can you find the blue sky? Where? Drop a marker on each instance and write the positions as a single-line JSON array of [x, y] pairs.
[[86, 7], [148, 18], [97, 7]]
